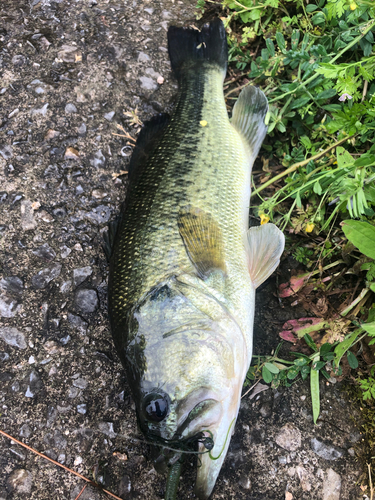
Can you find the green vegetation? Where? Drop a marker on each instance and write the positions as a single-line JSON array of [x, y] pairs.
[[315, 61]]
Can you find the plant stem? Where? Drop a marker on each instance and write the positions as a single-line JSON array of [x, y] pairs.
[[312, 78], [294, 167]]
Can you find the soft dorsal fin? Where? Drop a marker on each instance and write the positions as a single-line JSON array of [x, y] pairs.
[[109, 237], [248, 117], [203, 241], [265, 244], [146, 141]]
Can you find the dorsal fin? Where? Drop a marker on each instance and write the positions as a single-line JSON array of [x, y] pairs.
[[146, 141], [248, 117], [265, 244], [109, 236], [203, 241]]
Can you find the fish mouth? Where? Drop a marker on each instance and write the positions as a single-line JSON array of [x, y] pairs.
[[165, 454]]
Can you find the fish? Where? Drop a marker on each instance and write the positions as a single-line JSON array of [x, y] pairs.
[[184, 265]]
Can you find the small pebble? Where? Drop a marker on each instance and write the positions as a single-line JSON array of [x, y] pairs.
[[64, 251], [20, 481], [82, 129], [86, 300], [40, 111], [148, 83], [80, 274], [13, 337], [82, 409], [46, 275], [71, 154], [109, 116], [289, 437], [80, 382], [326, 450], [331, 485], [70, 108], [45, 252], [12, 284], [98, 160]]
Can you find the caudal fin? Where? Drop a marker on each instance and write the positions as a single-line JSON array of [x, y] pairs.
[[190, 47]]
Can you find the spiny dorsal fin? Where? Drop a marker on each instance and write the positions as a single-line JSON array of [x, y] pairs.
[[203, 241], [265, 244], [248, 117]]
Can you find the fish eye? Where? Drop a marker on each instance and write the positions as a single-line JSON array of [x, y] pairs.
[[156, 407]]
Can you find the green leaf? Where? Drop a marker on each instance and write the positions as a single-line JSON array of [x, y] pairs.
[[362, 235], [369, 327], [326, 94], [281, 127], [317, 188], [318, 18], [343, 157], [315, 395], [332, 107], [295, 39], [328, 70], [293, 372], [298, 103], [301, 361], [267, 375], [311, 7], [280, 40], [352, 360], [318, 365], [372, 287], [305, 370], [270, 46], [306, 141], [329, 356], [325, 348], [309, 341], [271, 367], [343, 346]]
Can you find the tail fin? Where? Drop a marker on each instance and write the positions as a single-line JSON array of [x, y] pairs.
[[190, 47]]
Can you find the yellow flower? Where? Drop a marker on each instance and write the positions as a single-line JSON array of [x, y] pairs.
[[203, 123], [264, 219], [353, 6], [309, 227]]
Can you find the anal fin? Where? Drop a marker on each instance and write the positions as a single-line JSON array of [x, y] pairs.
[[203, 241], [265, 244]]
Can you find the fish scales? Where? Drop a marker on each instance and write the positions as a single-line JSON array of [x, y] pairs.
[[191, 166], [184, 267]]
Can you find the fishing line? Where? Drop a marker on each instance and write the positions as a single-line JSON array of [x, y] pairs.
[[204, 442], [225, 442]]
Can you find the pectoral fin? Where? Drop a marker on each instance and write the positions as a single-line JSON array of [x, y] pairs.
[[265, 244], [203, 241]]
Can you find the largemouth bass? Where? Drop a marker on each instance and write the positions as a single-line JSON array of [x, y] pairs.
[[184, 266]]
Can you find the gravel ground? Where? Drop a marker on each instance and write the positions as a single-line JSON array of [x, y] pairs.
[[69, 73]]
